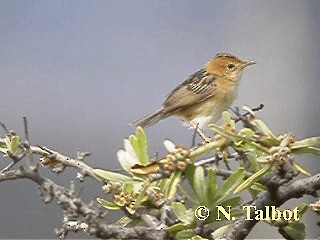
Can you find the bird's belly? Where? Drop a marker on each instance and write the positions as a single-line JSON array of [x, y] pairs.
[[208, 112]]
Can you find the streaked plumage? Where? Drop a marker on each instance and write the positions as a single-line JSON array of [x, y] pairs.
[[204, 95]]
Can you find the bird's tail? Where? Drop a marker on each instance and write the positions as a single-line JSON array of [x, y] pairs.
[[149, 119]]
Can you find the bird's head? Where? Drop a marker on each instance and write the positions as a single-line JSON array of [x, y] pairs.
[[227, 65]]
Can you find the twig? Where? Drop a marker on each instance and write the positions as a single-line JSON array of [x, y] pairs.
[[25, 124], [5, 129], [88, 216], [296, 189], [58, 158]]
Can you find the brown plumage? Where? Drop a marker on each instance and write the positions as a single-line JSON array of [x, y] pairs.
[[204, 95]]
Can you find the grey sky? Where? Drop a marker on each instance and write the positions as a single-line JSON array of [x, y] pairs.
[[82, 70]]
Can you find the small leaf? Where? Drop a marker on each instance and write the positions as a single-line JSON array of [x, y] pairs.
[[262, 159], [8, 143], [223, 132], [127, 222], [232, 202], [15, 142], [249, 144], [142, 196], [180, 211], [145, 170], [108, 205], [116, 177], [169, 145], [307, 142], [172, 184], [231, 183], [126, 160], [139, 144], [185, 234], [264, 128], [302, 208], [130, 150], [254, 178], [301, 169], [197, 237], [246, 132], [200, 184], [311, 150], [259, 187], [173, 229], [218, 234], [212, 185], [227, 118], [295, 230], [197, 182], [256, 189]]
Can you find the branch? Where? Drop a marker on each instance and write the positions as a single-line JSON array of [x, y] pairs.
[[89, 216], [295, 189], [51, 157]]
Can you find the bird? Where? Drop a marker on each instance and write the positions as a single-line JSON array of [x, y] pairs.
[[201, 98]]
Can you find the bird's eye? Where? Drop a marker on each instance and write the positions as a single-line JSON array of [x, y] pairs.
[[230, 66]]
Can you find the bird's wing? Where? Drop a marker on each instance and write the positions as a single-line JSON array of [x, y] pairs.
[[196, 88]]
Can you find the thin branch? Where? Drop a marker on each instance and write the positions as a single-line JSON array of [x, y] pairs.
[[295, 189], [4, 127], [89, 216], [57, 158], [25, 124]]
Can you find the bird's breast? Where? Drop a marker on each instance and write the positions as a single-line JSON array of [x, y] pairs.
[[210, 110]]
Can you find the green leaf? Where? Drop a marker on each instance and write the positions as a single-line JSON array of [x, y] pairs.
[[15, 142], [108, 205], [232, 201], [138, 169], [197, 237], [307, 142], [197, 182], [142, 196], [231, 183], [173, 229], [302, 208], [295, 230], [212, 186], [301, 169], [227, 118], [185, 234], [8, 143], [223, 132], [128, 187], [116, 177], [249, 143], [264, 128], [128, 222], [200, 184], [126, 160], [172, 184], [181, 212], [246, 132], [217, 234], [259, 187], [254, 178], [311, 150], [139, 144]]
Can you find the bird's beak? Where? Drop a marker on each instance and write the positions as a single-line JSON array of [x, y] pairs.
[[249, 63]]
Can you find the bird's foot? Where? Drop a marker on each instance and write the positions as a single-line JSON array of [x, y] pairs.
[[205, 138]]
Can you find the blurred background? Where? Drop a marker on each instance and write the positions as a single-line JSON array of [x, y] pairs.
[[82, 70]]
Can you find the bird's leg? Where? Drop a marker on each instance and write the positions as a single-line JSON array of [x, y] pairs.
[[193, 143], [201, 134]]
